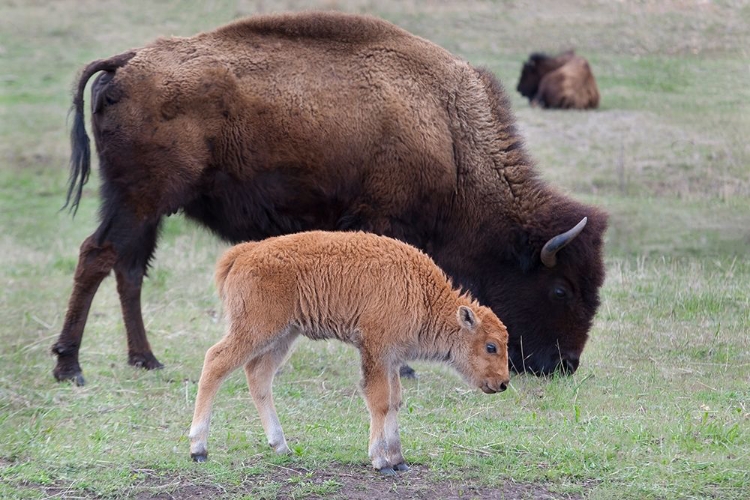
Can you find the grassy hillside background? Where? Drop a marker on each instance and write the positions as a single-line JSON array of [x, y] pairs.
[[660, 407]]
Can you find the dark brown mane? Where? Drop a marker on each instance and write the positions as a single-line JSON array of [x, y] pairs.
[[508, 139]]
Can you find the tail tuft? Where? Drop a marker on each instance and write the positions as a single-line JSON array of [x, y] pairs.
[[80, 158]]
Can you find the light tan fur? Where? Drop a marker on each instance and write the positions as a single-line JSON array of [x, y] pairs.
[[382, 296]]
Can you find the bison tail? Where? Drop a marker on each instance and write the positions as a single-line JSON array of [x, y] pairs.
[[226, 262], [80, 158]]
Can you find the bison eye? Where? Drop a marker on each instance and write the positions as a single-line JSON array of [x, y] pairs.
[[560, 292], [491, 348]]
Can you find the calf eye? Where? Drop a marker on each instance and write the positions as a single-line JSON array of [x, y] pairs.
[[491, 348]]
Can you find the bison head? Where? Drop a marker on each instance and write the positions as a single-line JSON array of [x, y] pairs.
[[531, 75], [546, 293]]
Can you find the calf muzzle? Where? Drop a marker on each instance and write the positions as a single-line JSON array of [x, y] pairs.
[[488, 388]]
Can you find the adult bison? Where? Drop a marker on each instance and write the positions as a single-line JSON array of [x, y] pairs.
[[284, 123], [564, 81]]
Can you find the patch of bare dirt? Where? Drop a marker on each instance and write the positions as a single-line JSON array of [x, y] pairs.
[[341, 482], [346, 482]]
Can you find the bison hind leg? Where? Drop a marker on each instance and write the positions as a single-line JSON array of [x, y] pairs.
[[95, 262], [135, 242]]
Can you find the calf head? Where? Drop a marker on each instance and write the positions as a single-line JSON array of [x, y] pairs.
[[487, 366]]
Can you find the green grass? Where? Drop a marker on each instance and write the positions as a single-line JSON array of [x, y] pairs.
[[660, 407]]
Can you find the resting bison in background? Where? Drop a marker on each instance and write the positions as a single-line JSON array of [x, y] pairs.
[[284, 123], [564, 81]]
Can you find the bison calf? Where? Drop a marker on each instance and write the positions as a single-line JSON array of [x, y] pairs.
[[382, 296], [564, 81]]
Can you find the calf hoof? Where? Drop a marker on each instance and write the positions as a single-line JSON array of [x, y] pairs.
[[407, 371], [199, 457], [147, 361], [387, 471], [281, 449], [402, 467]]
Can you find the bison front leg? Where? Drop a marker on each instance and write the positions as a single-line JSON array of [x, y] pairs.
[[95, 261]]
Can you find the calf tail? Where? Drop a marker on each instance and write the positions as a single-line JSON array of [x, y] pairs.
[[80, 158], [226, 262]]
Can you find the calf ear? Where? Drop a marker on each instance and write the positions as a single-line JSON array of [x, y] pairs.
[[466, 318]]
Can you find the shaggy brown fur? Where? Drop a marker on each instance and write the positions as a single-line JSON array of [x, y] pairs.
[[384, 297], [564, 81], [284, 123]]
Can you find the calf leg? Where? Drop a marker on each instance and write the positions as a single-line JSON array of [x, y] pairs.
[[222, 359], [260, 372], [377, 393], [95, 261], [392, 437]]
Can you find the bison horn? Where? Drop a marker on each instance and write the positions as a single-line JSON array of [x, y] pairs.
[[560, 241]]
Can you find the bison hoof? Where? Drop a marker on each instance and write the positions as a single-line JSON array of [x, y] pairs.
[[67, 367], [402, 467], [387, 471], [199, 457], [76, 376], [407, 371], [147, 361]]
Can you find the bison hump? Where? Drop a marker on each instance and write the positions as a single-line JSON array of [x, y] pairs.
[[323, 26]]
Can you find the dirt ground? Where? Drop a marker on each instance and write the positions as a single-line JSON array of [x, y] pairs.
[[344, 482], [355, 484]]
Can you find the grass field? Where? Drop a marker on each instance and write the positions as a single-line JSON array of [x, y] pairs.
[[660, 407]]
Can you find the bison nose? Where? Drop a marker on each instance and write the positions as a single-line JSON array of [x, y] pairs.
[[502, 386], [568, 366]]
